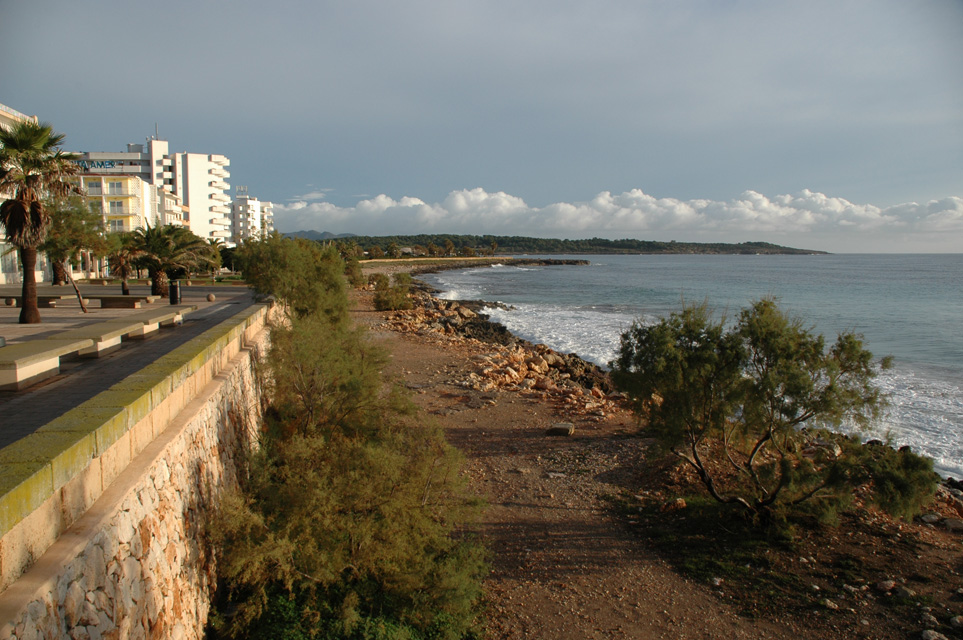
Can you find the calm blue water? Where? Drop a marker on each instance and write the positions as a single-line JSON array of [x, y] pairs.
[[906, 306]]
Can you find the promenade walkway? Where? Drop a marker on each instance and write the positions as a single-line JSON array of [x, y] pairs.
[[23, 412]]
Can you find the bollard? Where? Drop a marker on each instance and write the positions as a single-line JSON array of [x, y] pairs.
[[174, 291]]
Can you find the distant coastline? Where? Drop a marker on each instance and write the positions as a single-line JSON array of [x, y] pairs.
[[422, 244]]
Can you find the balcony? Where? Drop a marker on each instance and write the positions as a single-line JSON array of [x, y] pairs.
[[220, 209], [219, 197], [218, 184], [221, 221]]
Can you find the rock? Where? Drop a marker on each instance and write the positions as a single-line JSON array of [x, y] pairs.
[[545, 383], [953, 524], [956, 622], [905, 592], [829, 604], [929, 634], [673, 505], [886, 585], [537, 364], [561, 429], [931, 518], [929, 620]]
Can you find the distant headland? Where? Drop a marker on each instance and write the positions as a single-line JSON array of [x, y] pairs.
[[449, 244]]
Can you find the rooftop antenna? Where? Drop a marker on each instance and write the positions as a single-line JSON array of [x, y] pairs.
[[156, 134]]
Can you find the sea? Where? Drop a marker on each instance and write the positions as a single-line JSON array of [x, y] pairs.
[[909, 307]]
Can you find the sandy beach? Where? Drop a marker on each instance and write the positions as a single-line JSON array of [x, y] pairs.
[[564, 563]]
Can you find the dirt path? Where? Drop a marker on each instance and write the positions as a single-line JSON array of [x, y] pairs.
[[562, 567]]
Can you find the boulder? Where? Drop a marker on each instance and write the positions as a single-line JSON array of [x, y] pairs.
[[561, 429], [953, 524]]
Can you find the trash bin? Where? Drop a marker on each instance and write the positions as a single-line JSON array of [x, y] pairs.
[[175, 292]]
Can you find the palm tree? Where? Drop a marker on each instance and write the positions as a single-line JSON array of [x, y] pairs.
[[121, 257], [166, 250], [32, 166]]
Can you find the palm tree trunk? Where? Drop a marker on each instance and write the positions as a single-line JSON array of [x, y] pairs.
[[159, 283], [59, 272], [29, 313]]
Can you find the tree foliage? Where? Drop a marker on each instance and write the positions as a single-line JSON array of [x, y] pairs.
[[304, 276], [752, 408], [345, 523], [32, 168], [393, 296], [168, 251], [73, 228]]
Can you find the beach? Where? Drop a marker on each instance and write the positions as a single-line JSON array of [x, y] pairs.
[[566, 564]]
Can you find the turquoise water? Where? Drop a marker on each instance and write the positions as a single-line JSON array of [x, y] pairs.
[[906, 306]]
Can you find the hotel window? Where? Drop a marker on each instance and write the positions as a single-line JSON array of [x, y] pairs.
[[115, 207], [115, 188], [94, 187], [116, 226]]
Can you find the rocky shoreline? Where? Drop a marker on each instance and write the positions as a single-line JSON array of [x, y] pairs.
[[522, 365], [502, 399]]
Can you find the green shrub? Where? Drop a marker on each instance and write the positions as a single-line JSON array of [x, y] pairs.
[[748, 407], [354, 273], [393, 297], [346, 522], [302, 275]]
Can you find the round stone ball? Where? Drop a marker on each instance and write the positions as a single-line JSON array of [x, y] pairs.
[[211, 297], [10, 302]]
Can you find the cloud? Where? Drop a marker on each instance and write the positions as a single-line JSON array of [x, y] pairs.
[[318, 194], [807, 219]]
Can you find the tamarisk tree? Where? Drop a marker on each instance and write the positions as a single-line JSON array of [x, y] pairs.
[[750, 409]]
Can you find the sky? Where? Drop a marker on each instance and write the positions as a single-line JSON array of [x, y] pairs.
[[830, 125]]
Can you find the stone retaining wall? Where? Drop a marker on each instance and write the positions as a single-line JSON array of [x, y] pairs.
[[115, 549]]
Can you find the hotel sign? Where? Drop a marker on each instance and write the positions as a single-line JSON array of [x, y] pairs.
[[88, 165]]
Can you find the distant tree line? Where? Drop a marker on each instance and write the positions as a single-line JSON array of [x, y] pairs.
[[461, 245]]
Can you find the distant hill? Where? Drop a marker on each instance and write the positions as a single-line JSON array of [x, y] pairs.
[[521, 244], [318, 235]]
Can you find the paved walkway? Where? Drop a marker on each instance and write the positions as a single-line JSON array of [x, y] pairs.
[[22, 412]]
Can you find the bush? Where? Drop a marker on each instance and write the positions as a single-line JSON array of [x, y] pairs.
[[302, 275], [393, 297], [750, 408], [346, 521], [352, 270]]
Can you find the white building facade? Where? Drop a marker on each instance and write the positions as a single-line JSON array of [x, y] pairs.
[[202, 182], [189, 188], [250, 218]]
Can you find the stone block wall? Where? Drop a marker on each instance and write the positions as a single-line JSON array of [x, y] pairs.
[[134, 563]]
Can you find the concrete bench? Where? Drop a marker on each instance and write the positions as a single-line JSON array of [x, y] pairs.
[[106, 336], [119, 302], [154, 318], [43, 302], [25, 363], [122, 301]]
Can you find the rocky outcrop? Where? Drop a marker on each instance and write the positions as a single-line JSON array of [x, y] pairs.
[[507, 362]]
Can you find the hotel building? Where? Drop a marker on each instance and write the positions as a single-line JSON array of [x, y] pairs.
[[251, 218], [188, 188]]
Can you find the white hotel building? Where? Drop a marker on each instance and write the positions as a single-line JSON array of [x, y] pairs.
[[251, 218], [187, 188]]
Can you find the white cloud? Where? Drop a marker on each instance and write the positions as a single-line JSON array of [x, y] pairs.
[[807, 219], [318, 194]]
